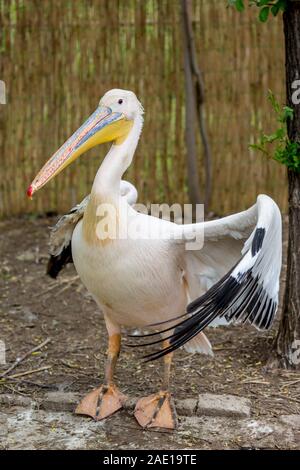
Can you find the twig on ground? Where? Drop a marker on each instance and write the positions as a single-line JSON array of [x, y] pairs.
[[28, 372], [27, 382], [67, 281], [293, 382], [69, 284], [257, 382], [283, 397], [51, 287], [11, 389], [22, 358]]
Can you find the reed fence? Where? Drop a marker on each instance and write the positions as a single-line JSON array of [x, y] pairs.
[[57, 57]]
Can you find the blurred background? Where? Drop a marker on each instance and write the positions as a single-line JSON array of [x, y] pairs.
[[58, 57]]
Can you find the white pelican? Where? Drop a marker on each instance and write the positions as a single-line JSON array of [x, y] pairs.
[[140, 281]]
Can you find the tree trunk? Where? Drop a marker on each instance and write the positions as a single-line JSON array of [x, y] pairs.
[[287, 344], [190, 113], [199, 97], [194, 88]]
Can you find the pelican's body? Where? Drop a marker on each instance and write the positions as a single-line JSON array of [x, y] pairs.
[[125, 278], [138, 268]]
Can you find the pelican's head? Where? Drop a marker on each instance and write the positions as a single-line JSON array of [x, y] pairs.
[[111, 122]]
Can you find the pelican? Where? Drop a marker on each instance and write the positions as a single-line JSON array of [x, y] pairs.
[[139, 280]]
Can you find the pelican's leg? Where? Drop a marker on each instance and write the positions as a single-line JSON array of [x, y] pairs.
[[107, 399], [158, 410]]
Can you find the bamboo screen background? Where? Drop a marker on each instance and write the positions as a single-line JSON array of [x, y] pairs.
[[57, 58]]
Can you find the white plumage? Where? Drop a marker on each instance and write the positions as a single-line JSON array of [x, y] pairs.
[[230, 241], [61, 233]]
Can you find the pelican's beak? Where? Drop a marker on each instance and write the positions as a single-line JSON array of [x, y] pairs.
[[103, 125]]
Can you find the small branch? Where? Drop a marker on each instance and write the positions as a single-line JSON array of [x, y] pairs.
[[26, 382], [28, 372], [56, 284], [22, 358], [288, 384], [286, 398], [69, 283], [256, 382]]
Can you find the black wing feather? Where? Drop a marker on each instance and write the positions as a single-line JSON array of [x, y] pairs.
[[58, 262]]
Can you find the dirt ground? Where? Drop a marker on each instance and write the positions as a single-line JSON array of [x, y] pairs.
[[34, 307]]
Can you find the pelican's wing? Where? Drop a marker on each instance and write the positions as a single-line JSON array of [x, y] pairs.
[[129, 192], [61, 233], [236, 271]]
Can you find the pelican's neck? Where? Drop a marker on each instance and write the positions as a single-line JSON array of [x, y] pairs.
[[107, 180]]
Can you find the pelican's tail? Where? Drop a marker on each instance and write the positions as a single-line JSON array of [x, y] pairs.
[[199, 344]]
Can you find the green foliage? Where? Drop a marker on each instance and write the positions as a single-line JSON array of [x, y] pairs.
[[285, 151], [266, 7]]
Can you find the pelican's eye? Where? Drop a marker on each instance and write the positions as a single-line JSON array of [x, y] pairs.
[[120, 101]]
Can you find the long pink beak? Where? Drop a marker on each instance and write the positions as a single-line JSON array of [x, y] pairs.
[[77, 144]]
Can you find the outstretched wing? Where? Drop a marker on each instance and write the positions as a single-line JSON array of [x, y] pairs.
[[240, 265], [61, 233]]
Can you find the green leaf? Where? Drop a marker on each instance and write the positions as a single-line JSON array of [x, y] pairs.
[[288, 113], [262, 3], [275, 9], [259, 147], [279, 5], [274, 102], [282, 4], [277, 145], [280, 133], [239, 5], [263, 14]]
